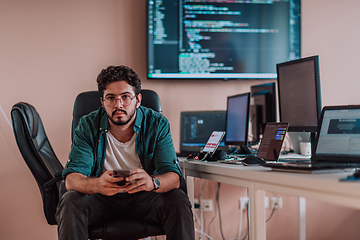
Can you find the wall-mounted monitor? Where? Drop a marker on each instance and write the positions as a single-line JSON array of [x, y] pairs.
[[300, 94], [188, 39], [237, 121], [262, 109]]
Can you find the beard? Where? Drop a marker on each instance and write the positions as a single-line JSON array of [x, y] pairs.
[[125, 119]]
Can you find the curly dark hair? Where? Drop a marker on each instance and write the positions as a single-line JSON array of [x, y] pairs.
[[118, 73]]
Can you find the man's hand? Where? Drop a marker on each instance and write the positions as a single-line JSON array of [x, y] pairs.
[[108, 184], [142, 181], [105, 184], [138, 181]]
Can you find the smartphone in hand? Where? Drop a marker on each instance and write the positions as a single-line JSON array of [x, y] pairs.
[[121, 173]]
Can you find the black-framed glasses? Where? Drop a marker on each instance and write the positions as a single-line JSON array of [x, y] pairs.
[[125, 99]]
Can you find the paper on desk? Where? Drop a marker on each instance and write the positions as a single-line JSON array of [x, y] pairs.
[[293, 156]]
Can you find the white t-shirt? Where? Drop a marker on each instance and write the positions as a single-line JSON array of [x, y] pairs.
[[120, 155]]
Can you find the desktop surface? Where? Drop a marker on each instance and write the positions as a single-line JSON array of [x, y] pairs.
[[323, 183]]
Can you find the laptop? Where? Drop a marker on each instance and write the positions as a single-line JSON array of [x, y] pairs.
[[337, 142], [271, 142]]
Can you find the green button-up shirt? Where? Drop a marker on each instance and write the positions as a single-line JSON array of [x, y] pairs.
[[153, 142]]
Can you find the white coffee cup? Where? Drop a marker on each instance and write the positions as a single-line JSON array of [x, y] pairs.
[[305, 148]]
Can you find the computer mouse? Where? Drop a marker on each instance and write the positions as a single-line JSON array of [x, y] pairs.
[[357, 174], [252, 160]]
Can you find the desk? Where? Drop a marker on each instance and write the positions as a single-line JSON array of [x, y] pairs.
[[322, 187]]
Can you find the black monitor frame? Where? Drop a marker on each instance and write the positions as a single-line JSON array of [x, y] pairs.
[[289, 95], [262, 109], [245, 121]]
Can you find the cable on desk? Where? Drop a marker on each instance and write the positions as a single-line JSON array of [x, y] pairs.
[[205, 156]]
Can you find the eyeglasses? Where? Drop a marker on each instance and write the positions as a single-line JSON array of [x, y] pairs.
[[125, 100]]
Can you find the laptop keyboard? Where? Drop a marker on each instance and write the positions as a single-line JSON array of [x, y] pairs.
[[335, 165]]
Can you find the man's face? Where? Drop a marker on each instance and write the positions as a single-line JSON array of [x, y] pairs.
[[113, 100]]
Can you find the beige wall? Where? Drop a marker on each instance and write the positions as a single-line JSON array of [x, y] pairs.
[[52, 50]]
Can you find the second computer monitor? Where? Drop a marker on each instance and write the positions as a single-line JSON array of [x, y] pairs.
[[262, 109], [299, 94], [237, 119]]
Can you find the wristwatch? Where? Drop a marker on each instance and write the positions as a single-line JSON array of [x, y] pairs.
[[156, 183]]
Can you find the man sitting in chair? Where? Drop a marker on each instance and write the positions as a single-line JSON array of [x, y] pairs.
[[123, 135]]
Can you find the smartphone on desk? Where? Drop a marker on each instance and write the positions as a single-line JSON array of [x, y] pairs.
[[121, 173], [208, 152]]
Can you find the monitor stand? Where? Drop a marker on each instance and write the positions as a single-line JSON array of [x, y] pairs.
[[313, 142], [296, 138], [243, 150]]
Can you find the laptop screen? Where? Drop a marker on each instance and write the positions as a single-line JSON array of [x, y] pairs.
[[339, 133], [272, 141]]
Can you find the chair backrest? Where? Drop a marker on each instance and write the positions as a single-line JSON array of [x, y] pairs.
[[38, 154], [86, 102]]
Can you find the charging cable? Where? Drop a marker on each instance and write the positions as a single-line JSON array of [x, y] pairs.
[[204, 234], [241, 217], [205, 156]]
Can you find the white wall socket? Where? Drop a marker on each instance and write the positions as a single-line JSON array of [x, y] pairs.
[[206, 205], [275, 200], [244, 201]]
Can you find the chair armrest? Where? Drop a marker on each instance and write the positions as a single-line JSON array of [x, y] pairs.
[[49, 184]]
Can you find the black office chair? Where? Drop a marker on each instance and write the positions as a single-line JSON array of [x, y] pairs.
[[39, 156]]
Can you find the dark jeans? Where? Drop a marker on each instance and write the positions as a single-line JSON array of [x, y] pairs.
[[76, 211]]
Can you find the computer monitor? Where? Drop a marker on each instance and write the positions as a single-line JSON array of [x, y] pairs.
[[300, 94], [262, 109], [237, 121], [196, 128]]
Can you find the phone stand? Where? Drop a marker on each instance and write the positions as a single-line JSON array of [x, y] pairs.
[[217, 155]]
